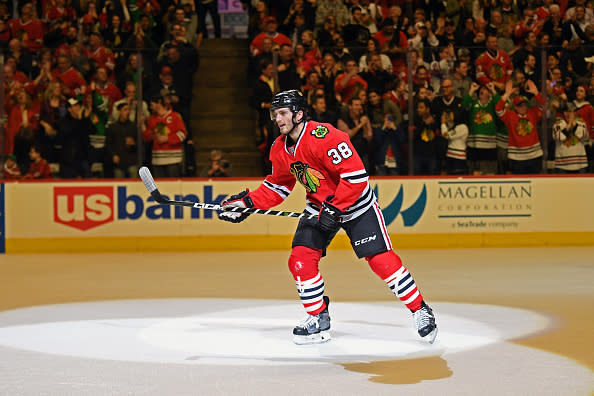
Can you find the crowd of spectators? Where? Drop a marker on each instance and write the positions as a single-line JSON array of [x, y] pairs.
[[72, 73], [431, 87]]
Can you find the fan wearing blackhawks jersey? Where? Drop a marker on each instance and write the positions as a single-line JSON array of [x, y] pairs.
[[524, 151], [167, 131], [322, 159]]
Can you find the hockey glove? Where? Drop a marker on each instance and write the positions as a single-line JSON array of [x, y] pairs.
[[329, 217], [241, 200]]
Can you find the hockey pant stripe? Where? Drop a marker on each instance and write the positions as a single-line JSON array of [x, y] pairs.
[[380, 218]]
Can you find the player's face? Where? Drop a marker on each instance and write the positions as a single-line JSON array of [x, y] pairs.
[[284, 119]]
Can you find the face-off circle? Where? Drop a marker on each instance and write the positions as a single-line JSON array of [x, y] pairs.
[[207, 331]]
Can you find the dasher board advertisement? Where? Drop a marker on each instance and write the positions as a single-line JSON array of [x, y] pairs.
[[413, 207]]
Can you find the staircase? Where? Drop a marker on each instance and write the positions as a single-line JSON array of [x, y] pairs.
[[221, 117]]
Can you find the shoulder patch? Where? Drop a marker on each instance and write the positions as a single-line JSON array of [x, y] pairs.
[[320, 132]]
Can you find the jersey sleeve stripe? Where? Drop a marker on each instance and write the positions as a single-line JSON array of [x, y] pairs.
[[363, 202], [355, 177], [280, 190], [355, 173], [357, 180]]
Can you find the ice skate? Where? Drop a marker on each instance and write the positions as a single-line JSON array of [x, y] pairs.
[[425, 322], [314, 329]]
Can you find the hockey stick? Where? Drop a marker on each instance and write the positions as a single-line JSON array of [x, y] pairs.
[[150, 185]]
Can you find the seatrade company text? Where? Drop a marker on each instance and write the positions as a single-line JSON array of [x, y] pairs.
[[485, 225]]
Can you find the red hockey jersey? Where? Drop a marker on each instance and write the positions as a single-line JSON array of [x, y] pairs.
[[324, 161], [523, 140], [30, 32], [102, 56], [72, 79], [171, 125], [586, 112], [489, 68]]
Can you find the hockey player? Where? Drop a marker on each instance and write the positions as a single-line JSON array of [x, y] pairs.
[[323, 160]]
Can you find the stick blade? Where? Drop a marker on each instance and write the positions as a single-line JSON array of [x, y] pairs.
[[147, 179]]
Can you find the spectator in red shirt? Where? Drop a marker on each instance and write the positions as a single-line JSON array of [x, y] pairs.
[[59, 10], [11, 86], [22, 128], [11, 169], [347, 82], [39, 167], [99, 55], [27, 28], [72, 81], [167, 131], [493, 65], [107, 90], [393, 43], [271, 31]]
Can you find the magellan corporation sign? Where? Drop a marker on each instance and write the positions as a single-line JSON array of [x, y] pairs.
[[486, 199]]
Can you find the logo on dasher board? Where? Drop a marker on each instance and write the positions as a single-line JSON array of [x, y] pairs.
[[83, 207], [410, 215], [87, 207], [485, 198]]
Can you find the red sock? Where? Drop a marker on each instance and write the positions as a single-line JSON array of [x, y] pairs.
[[303, 264]]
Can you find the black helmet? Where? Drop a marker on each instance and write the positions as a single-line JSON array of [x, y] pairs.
[[293, 99]]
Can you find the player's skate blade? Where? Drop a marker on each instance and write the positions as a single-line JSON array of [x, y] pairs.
[[431, 336], [317, 338]]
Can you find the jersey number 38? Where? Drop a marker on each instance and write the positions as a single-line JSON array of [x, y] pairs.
[[342, 151]]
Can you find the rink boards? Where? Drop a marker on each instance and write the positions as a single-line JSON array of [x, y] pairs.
[[120, 215]]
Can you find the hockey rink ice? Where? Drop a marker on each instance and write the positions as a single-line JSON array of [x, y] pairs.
[[511, 321]]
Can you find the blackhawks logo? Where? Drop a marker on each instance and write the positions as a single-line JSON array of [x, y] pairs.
[[320, 131], [482, 117], [572, 140], [427, 135], [162, 129], [309, 177], [496, 72], [524, 127]]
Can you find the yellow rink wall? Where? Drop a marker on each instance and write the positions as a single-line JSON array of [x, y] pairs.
[[120, 215]]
